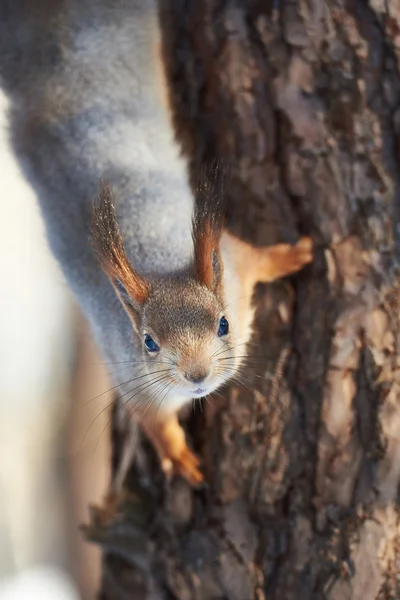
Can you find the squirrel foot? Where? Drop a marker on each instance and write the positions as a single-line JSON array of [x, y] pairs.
[[267, 264], [281, 260], [293, 258], [186, 464], [176, 458]]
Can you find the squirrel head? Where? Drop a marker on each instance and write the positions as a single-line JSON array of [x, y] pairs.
[[186, 335]]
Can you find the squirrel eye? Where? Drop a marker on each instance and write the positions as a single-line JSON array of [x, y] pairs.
[[223, 327], [150, 343]]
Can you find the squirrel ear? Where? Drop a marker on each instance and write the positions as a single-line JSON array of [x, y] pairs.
[[207, 259], [132, 289], [207, 229]]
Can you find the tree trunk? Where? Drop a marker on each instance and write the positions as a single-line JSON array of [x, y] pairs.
[[303, 461]]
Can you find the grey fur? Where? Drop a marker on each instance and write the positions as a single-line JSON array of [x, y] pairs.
[[85, 106]]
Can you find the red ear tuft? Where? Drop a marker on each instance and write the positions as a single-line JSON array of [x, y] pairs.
[[110, 250], [208, 221], [207, 259]]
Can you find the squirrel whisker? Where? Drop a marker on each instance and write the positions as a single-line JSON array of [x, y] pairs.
[[144, 386], [109, 405], [123, 384]]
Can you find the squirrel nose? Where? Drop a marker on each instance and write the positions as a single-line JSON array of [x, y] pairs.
[[196, 377]]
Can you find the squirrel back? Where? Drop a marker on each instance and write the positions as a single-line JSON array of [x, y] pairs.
[[88, 102]]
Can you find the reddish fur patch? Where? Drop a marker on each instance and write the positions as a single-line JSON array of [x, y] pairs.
[[208, 224], [109, 248], [169, 440], [206, 252]]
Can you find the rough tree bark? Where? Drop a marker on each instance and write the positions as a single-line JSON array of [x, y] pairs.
[[303, 470]]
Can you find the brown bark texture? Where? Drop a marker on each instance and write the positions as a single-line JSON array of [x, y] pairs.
[[302, 458]]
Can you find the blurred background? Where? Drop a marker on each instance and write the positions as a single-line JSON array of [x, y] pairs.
[[54, 415]]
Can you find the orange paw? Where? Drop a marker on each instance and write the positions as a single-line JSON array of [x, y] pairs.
[[284, 259], [168, 439], [301, 254], [185, 464]]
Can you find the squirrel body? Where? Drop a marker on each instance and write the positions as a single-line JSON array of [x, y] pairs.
[[88, 103]]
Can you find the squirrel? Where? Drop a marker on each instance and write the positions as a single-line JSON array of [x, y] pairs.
[[166, 288]]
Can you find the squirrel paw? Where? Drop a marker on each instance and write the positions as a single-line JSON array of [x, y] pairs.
[[185, 464], [175, 456], [300, 255], [285, 259]]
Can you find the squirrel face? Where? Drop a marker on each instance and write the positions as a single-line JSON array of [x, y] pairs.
[[186, 334], [187, 338]]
